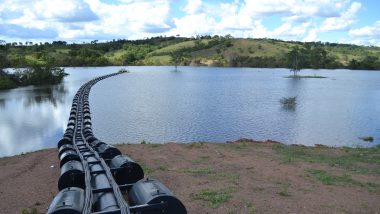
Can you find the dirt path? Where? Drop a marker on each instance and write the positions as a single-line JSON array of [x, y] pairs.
[[243, 177]]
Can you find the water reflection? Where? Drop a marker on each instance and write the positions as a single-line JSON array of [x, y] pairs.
[[34, 117], [197, 104], [53, 94], [221, 104], [2, 103]]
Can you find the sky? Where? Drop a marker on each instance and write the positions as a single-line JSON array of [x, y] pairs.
[[340, 21]]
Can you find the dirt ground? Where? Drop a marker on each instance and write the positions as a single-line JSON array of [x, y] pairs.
[[239, 177]]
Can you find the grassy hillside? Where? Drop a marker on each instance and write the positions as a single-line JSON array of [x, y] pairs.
[[206, 50]]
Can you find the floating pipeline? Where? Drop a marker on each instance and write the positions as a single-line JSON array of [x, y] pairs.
[[96, 178]]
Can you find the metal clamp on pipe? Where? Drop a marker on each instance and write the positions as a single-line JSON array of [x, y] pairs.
[[152, 192], [68, 201], [107, 151], [63, 141], [72, 175], [68, 156], [125, 170], [65, 147]]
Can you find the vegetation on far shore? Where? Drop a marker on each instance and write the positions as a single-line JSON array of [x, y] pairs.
[[36, 73], [200, 50]]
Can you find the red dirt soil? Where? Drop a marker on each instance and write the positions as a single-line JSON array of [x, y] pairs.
[[246, 177]]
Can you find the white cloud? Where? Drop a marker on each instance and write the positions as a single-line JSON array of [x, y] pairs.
[[367, 35], [344, 21], [76, 20], [193, 6], [367, 31], [312, 36], [132, 19], [85, 19], [63, 10], [194, 24]]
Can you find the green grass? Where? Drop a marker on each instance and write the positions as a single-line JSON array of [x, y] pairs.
[[212, 174], [284, 191], [202, 159], [214, 197], [249, 206], [343, 180], [196, 145], [357, 160], [329, 179], [162, 168], [174, 47], [201, 171], [157, 60], [147, 170], [154, 145], [29, 211], [239, 146]]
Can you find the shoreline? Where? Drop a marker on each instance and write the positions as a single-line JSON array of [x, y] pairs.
[[246, 140], [243, 176]]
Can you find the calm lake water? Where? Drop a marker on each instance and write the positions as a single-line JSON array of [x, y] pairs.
[[157, 104]]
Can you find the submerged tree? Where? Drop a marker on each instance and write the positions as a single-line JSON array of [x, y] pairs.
[[176, 58], [296, 60], [289, 102]]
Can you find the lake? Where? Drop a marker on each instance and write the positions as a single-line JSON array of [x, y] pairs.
[[157, 105]]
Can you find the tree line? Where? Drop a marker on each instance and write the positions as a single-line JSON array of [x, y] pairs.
[[134, 52]]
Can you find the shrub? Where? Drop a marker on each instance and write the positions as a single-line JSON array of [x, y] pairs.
[[123, 70], [289, 101]]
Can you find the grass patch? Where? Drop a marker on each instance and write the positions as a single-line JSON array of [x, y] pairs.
[[357, 160], [329, 179], [196, 145], [344, 180], [154, 145], [196, 162], [162, 168], [238, 146], [214, 197], [284, 191], [27, 211], [231, 177], [213, 175], [201, 171], [201, 160], [147, 170], [249, 206]]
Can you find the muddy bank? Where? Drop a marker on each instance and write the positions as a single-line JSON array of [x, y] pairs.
[[239, 177]]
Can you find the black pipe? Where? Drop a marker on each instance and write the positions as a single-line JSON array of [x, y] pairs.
[[104, 201], [126, 171], [72, 175]]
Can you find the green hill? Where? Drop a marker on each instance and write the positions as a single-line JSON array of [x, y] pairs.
[[204, 50]]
